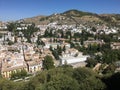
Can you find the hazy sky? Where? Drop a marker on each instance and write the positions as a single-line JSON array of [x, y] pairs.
[[17, 9]]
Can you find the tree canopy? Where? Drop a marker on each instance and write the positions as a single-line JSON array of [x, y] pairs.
[[48, 62]]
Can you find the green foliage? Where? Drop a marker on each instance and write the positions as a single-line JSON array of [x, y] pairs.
[[92, 83], [61, 78], [43, 80], [91, 62], [9, 85], [62, 82], [72, 45], [40, 42], [108, 38], [10, 42], [110, 69], [48, 62], [19, 74], [110, 56], [87, 79], [93, 29], [29, 32], [82, 73], [56, 55], [50, 33], [58, 51], [42, 19], [5, 85], [68, 35], [12, 27], [64, 48], [91, 49], [77, 13]]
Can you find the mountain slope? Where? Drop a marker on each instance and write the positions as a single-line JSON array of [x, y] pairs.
[[77, 17]]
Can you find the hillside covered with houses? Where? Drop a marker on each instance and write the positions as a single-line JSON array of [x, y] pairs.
[[69, 42]]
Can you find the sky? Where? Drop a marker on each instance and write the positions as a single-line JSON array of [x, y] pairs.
[[19, 9]]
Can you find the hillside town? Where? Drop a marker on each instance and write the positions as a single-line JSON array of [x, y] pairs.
[[24, 46], [59, 45]]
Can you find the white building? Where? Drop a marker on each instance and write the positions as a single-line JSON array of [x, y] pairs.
[[73, 57]]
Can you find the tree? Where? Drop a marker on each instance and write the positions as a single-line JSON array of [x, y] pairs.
[[62, 82], [91, 62], [59, 49], [12, 27], [30, 31], [23, 73], [82, 73], [62, 34], [10, 42], [87, 79], [4, 84], [38, 41], [92, 83], [93, 29], [64, 48], [56, 55], [51, 48], [64, 78], [68, 34], [48, 62], [72, 45], [110, 69], [46, 34], [19, 74], [110, 56]]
